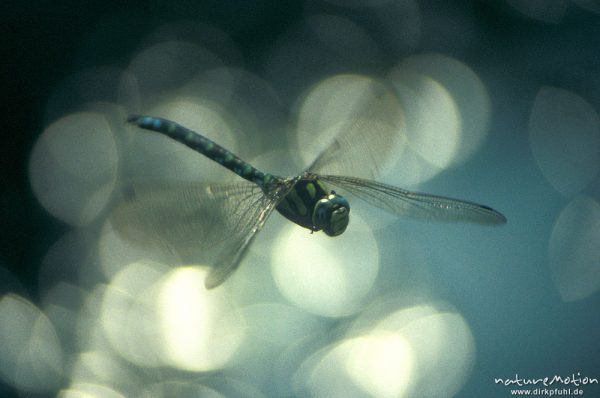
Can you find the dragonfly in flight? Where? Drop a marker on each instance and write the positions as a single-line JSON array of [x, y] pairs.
[[239, 210]]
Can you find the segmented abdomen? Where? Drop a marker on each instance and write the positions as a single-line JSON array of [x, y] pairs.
[[203, 145]]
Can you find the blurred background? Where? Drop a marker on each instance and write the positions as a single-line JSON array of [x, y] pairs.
[[491, 101]]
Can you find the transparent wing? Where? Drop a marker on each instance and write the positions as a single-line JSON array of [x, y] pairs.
[[213, 222], [242, 235], [367, 142], [412, 204]]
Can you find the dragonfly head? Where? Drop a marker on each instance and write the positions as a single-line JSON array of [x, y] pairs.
[[332, 214]]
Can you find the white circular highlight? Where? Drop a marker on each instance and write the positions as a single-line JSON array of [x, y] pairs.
[[163, 67], [326, 276], [30, 352], [565, 139], [155, 317], [89, 390], [377, 364], [466, 91], [415, 351], [381, 364], [357, 120], [128, 313], [574, 249], [443, 347], [102, 367], [73, 167], [201, 328], [437, 123]]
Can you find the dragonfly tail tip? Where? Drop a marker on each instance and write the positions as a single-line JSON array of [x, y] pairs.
[[134, 119]]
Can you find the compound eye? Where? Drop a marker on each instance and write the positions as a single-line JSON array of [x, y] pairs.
[[338, 222], [331, 214]]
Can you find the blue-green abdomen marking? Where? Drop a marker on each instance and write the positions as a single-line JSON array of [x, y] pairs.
[[205, 146]]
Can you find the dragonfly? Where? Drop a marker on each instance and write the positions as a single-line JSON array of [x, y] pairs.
[[202, 214]]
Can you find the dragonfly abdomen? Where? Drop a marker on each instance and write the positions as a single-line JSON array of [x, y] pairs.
[[205, 146]]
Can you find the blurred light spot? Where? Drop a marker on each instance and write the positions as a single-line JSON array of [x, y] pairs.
[[128, 316], [357, 120], [565, 139], [73, 167], [88, 390], [378, 364], [89, 332], [466, 90], [443, 347], [180, 389], [162, 68], [62, 304], [574, 249], [326, 276], [202, 328], [30, 352], [253, 109], [100, 367], [381, 364], [322, 45], [551, 11], [433, 125], [154, 156], [415, 351], [116, 253]]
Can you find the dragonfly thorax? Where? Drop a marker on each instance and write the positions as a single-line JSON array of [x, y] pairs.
[[312, 205], [332, 214]]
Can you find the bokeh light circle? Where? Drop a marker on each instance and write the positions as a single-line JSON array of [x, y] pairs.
[[89, 390], [564, 132], [357, 119], [31, 356], [153, 317], [163, 67], [574, 249], [412, 351], [467, 91], [127, 313], [326, 276], [447, 110], [201, 328], [443, 347], [73, 167]]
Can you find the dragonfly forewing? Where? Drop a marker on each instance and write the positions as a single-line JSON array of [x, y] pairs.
[[414, 204]]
